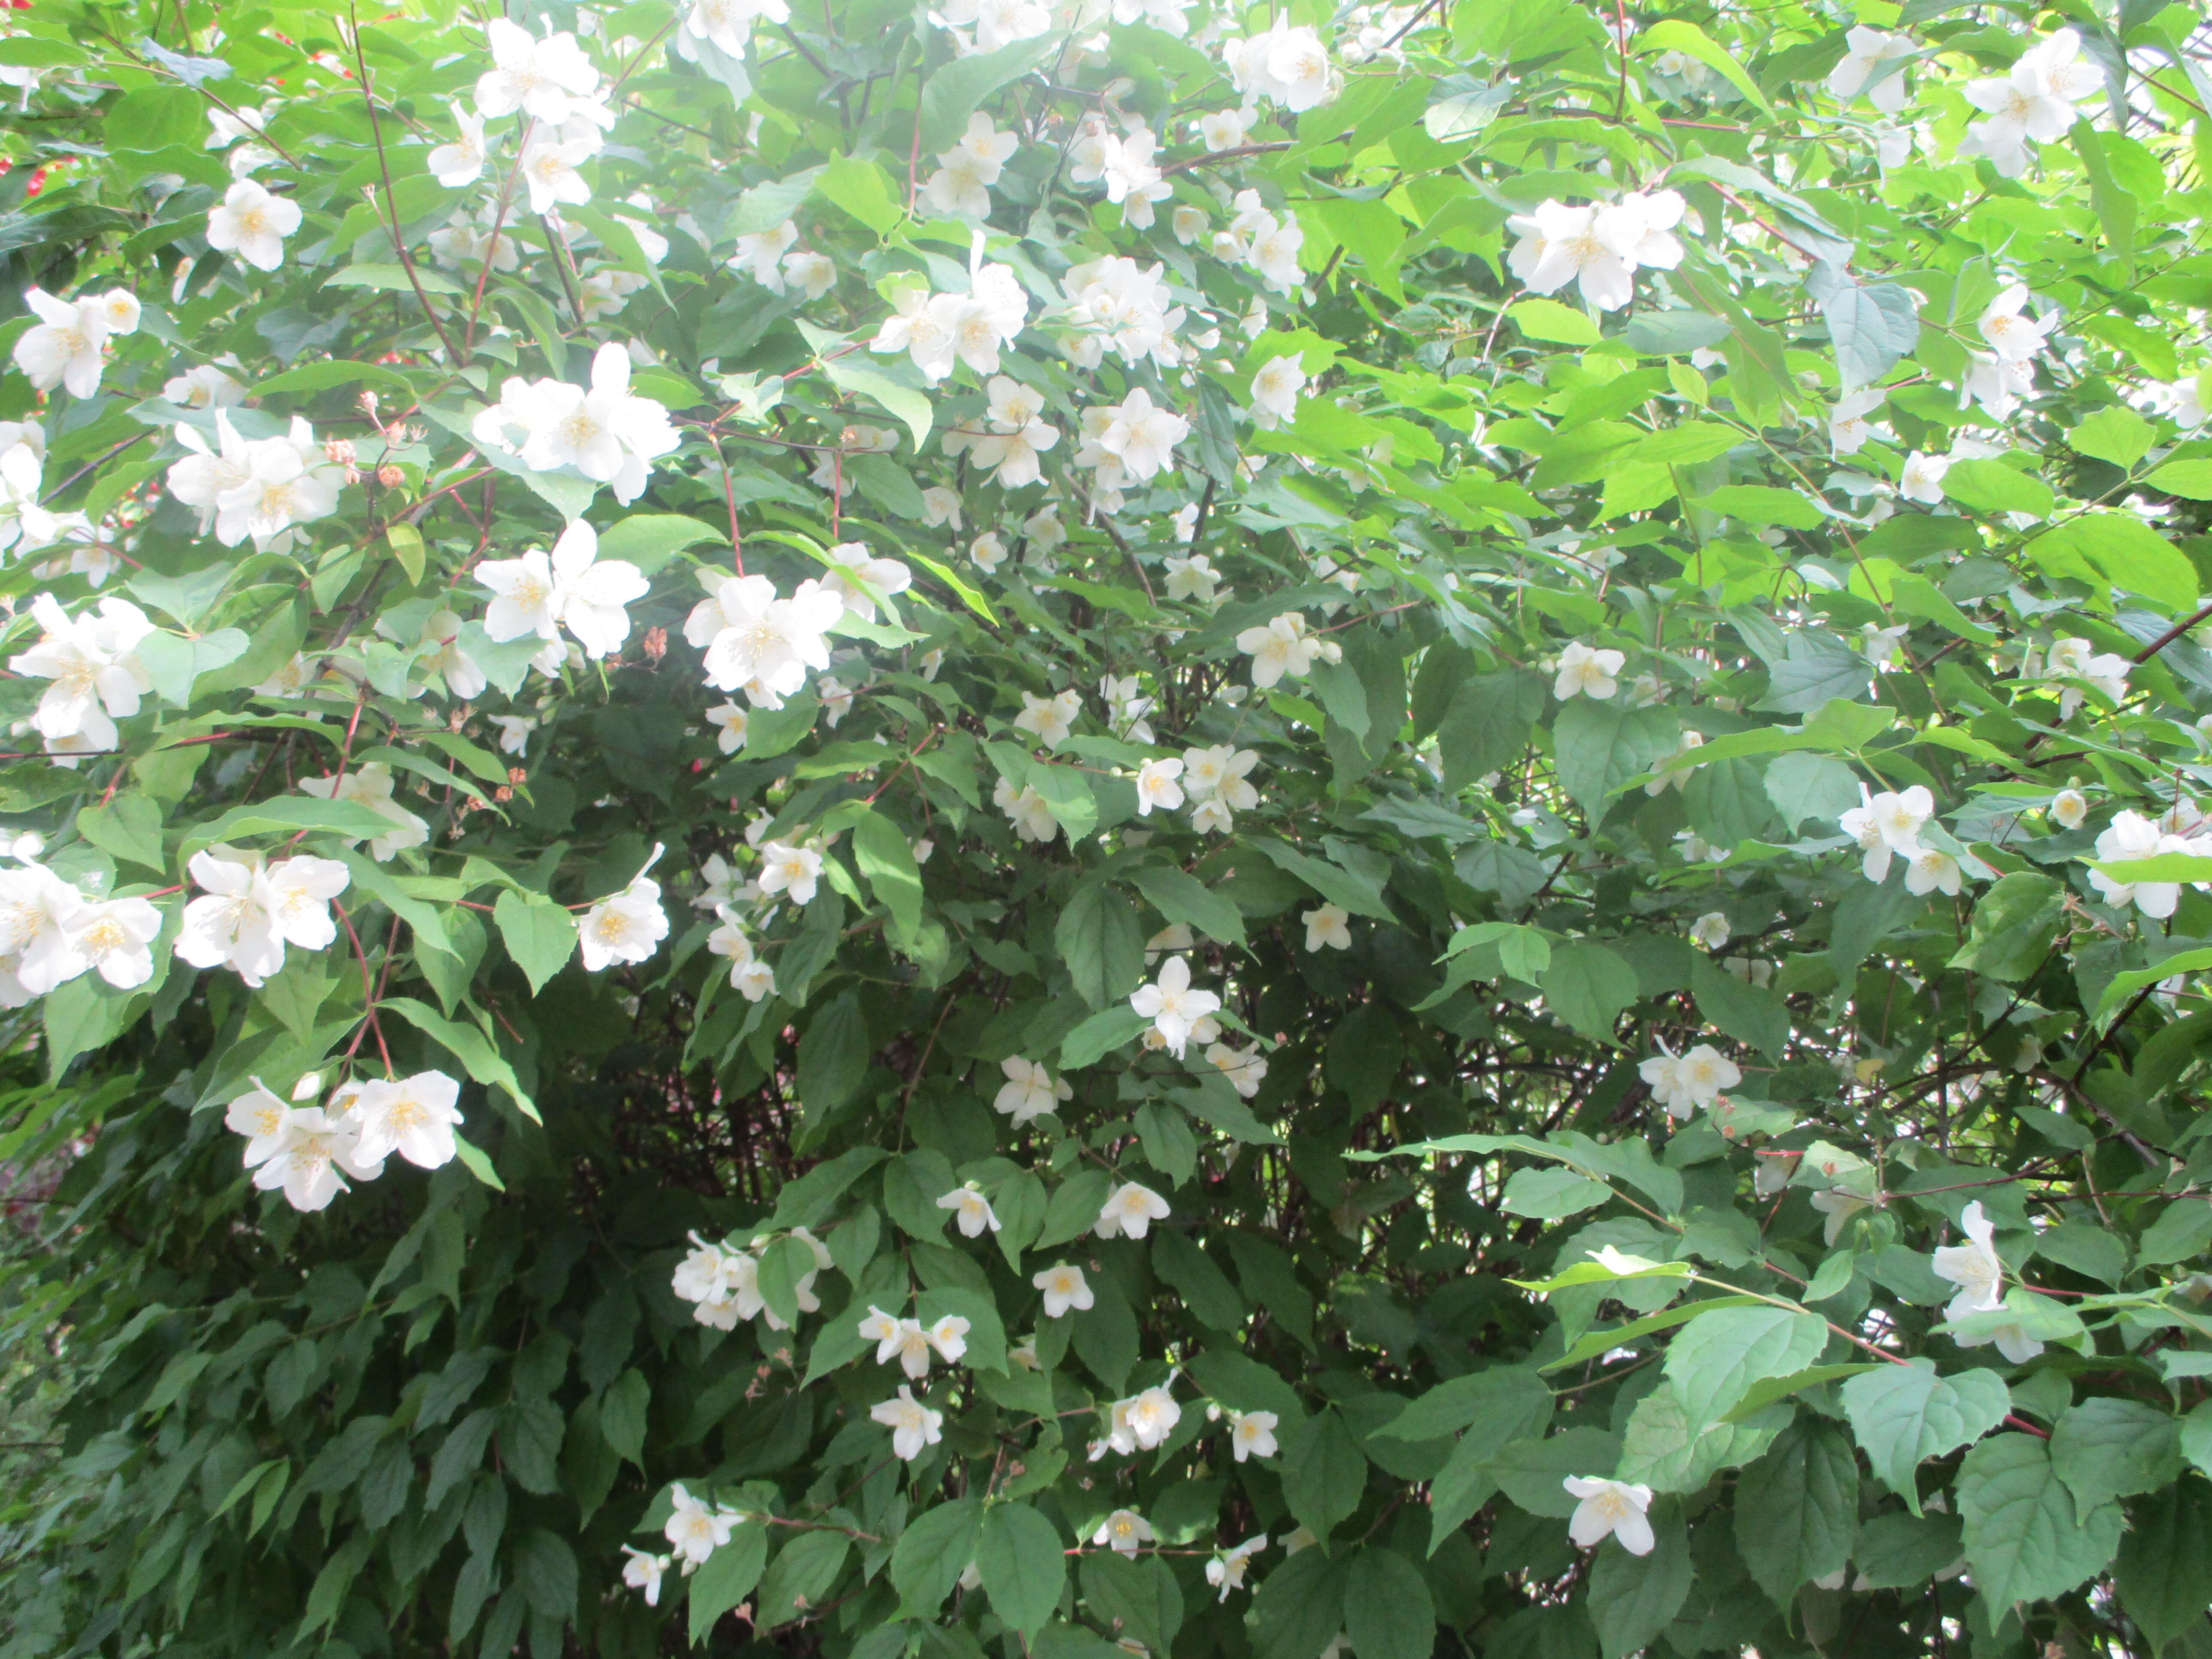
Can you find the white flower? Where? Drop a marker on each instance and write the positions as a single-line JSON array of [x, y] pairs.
[[1862, 69], [573, 588], [2131, 836], [1156, 785], [725, 25], [1932, 871], [643, 1571], [940, 505], [1049, 719], [93, 663], [1029, 812], [1682, 1083], [988, 551], [626, 927], [252, 224], [514, 732], [1193, 578], [760, 255], [1252, 1434], [312, 1149], [1225, 1571], [1147, 1419], [1847, 426], [759, 643], [1173, 1008], [815, 273], [1610, 1506], [788, 869], [876, 578], [1246, 1069], [912, 1425], [1327, 927], [260, 1117], [63, 348], [694, 1530], [1015, 435], [113, 938], [413, 1117], [1275, 392], [1140, 435], [1029, 1090], [549, 169], [2034, 102], [1064, 1287], [1131, 1209], [262, 490], [1587, 672], [1598, 248], [462, 161], [2067, 808], [1225, 129], [1710, 930], [974, 1214], [1839, 1207], [1278, 647], [1126, 1530], [370, 785], [1973, 1267], [1286, 66], [544, 79], [606, 432]]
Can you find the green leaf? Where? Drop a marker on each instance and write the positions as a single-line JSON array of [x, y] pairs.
[[128, 827], [2119, 548], [1298, 1609], [1673, 34], [727, 1577], [1663, 1448], [1990, 486], [1103, 943], [2191, 479], [1324, 1473], [622, 1415], [173, 662], [1717, 1358], [2115, 434], [1138, 1598], [1632, 1598], [1797, 1509], [1589, 986], [801, 1577], [545, 1568], [1549, 320], [1600, 746], [952, 91], [1068, 796], [1749, 1013], [833, 1058], [2165, 1570], [1508, 1393], [1386, 1610], [886, 861], [2025, 1538], [1485, 724], [1873, 326], [908, 406], [1548, 1194], [2014, 927], [2107, 1448], [1022, 1567], [1903, 1415], [1183, 897], [863, 190], [649, 540], [932, 1552], [287, 815], [540, 934]]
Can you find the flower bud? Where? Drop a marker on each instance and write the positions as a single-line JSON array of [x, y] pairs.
[[656, 644], [390, 475]]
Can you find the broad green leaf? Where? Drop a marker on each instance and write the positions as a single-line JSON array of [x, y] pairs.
[[1713, 1362], [1324, 1471], [1388, 1612], [1103, 943], [540, 934], [2026, 1538], [727, 1577], [1797, 1509], [1903, 1415], [1634, 1597]]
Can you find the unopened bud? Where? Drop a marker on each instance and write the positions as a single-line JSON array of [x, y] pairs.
[[390, 475], [340, 450], [353, 475], [503, 793], [656, 644], [517, 774], [368, 402]]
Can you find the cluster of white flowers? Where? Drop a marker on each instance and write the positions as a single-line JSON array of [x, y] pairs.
[[1282, 646], [1140, 1422], [1115, 304], [1217, 781], [1976, 1268], [1889, 824], [940, 331], [757, 642], [262, 490], [1135, 439], [1266, 241], [962, 183], [1287, 66], [913, 1344], [2034, 102], [723, 1285], [606, 432], [2076, 659], [774, 258], [1177, 1012], [96, 678], [306, 1151], [1599, 248], [553, 89], [252, 909], [572, 587], [2129, 837], [1696, 1077], [67, 346], [1013, 436], [1126, 163], [51, 932], [750, 976]]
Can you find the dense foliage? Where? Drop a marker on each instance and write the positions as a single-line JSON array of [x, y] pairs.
[[872, 831]]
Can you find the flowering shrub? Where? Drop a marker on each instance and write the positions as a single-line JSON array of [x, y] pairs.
[[1128, 827]]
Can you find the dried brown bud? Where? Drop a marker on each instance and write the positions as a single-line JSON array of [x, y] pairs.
[[340, 450], [390, 475], [656, 644], [517, 774], [503, 793]]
